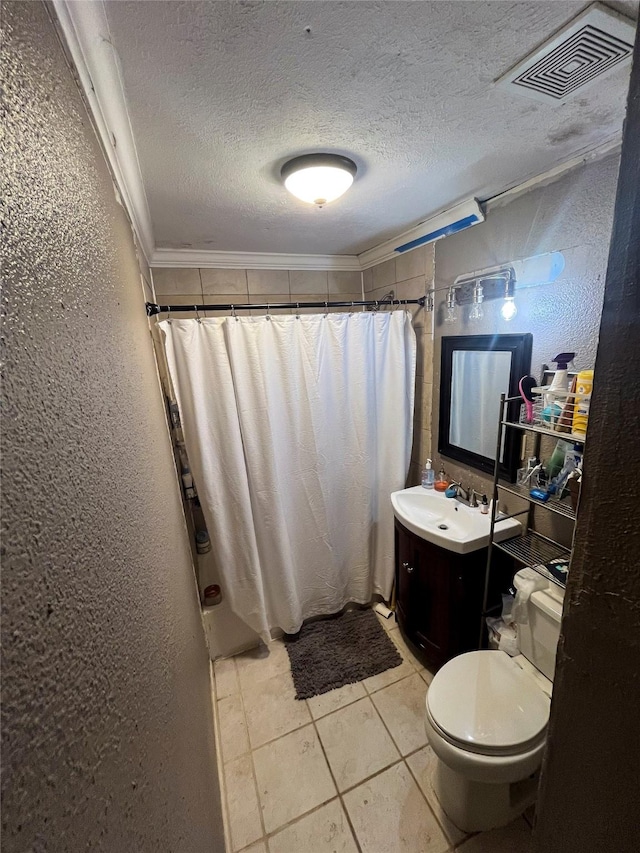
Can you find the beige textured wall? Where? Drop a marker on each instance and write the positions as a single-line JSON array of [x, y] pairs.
[[107, 737], [409, 276]]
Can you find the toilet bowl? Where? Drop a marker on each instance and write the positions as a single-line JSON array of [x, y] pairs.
[[486, 717]]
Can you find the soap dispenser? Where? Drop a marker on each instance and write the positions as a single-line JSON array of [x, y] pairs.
[[442, 482], [428, 475]]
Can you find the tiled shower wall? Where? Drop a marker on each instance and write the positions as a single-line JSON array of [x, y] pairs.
[[240, 287], [410, 276]]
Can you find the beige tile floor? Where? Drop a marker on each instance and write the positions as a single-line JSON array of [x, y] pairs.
[[345, 772]]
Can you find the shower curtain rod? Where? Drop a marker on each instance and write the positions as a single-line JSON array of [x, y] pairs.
[[153, 308]]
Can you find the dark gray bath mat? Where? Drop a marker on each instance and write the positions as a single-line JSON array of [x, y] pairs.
[[333, 652]]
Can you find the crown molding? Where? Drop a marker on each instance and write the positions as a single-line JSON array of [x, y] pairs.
[[209, 259], [86, 32]]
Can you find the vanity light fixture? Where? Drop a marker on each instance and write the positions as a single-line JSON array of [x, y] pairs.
[[509, 308], [477, 312], [318, 178], [451, 315]]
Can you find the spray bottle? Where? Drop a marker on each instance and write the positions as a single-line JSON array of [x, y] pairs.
[[560, 382]]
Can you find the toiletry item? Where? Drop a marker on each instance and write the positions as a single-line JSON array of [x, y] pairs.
[[559, 568], [526, 386], [442, 481], [551, 414], [451, 491], [428, 475], [572, 460], [560, 381], [484, 506], [187, 483], [565, 421], [540, 495], [203, 543], [212, 595], [554, 466], [584, 386]]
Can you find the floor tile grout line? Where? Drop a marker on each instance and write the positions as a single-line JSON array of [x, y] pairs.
[[222, 782], [253, 769], [342, 803], [435, 816]]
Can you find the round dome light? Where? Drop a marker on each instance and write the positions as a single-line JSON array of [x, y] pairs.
[[318, 178]]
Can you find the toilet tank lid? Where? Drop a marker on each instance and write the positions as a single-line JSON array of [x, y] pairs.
[[484, 699]]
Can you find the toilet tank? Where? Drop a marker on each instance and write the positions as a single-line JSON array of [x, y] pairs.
[[538, 619]]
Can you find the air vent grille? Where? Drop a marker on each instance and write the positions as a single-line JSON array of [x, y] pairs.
[[596, 42]]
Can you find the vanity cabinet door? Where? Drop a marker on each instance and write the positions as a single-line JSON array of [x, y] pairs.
[[408, 572], [439, 597]]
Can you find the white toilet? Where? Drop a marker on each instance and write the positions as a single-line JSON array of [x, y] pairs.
[[487, 715]]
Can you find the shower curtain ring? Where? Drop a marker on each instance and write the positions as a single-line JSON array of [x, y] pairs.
[[377, 306], [197, 314], [268, 314], [169, 314], [233, 312], [326, 309], [297, 310]]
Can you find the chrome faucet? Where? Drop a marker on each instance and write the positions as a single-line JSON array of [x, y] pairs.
[[463, 496]]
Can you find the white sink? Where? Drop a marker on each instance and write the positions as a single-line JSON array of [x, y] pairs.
[[446, 522]]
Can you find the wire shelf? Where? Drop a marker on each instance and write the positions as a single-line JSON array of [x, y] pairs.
[[565, 436], [561, 507], [532, 549], [553, 409]]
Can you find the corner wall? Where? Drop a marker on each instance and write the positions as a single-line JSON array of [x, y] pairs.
[[589, 791], [107, 734]]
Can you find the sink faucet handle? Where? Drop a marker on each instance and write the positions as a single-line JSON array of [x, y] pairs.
[[473, 498]]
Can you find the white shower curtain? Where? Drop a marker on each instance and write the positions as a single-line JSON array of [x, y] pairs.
[[297, 431]]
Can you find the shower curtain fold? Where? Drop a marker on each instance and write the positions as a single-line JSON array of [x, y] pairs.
[[297, 430]]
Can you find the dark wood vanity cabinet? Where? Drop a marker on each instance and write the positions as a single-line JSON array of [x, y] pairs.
[[438, 597]]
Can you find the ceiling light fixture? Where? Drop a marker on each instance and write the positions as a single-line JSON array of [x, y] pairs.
[[318, 178]]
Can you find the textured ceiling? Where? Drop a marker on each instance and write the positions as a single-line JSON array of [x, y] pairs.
[[222, 93]]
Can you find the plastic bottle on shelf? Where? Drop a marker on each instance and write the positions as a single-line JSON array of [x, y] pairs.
[[584, 386]]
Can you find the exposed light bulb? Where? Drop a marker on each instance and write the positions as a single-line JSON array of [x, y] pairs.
[[509, 308], [451, 316], [477, 312]]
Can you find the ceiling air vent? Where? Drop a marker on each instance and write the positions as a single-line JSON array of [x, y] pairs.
[[587, 49]]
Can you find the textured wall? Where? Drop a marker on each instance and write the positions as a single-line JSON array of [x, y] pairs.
[[589, 792], [107, 740], [572, 215]]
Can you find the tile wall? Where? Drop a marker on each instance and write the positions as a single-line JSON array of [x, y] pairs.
[[410, 276], [240, 287]]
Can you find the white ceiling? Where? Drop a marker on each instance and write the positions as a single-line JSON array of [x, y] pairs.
[[220, 94]]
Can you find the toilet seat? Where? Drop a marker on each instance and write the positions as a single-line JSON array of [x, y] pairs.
[[485, 703]]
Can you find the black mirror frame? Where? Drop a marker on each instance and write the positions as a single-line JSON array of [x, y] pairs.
[[520, 347]]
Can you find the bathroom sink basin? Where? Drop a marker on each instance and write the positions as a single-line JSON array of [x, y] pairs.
[[446, 522]]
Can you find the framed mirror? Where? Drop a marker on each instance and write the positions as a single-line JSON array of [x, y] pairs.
[[475, 371]]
